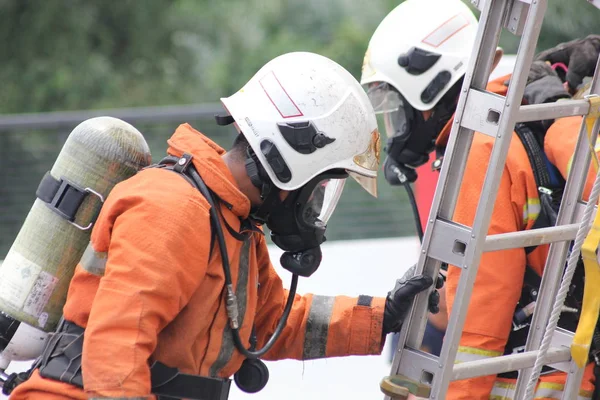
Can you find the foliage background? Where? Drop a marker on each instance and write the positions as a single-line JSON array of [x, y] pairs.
[[97, 54]]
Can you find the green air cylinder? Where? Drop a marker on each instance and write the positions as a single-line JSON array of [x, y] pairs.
[[35, 275]]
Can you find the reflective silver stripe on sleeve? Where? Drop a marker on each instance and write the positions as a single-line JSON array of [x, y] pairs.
[[94, 261], [317, 327], [241, 292]]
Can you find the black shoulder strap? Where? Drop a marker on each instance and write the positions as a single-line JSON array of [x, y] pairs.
[[180, 165], [535, 154], [547, 178]]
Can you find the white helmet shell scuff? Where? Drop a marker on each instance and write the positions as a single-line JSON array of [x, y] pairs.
[[303, 114]]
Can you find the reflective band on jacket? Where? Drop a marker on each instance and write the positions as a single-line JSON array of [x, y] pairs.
[[531, 210], [241, 291], [473, 354], [545, 390], [94, 261], [317, 327]]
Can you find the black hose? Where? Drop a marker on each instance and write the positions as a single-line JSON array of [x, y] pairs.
[[227, 272], [282, 322], [415, 210]]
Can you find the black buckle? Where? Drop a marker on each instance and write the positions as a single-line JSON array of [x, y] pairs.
[[170, 383], [182, 164], [65, 197]]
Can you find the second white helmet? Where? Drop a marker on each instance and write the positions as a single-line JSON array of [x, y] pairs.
[[421, 48]]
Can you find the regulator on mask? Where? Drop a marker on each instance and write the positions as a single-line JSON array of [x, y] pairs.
[[298, 222], [411, 137]]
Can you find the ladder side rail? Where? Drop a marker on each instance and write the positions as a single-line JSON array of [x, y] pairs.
[[452, 170], [557, 255], [483, 215]]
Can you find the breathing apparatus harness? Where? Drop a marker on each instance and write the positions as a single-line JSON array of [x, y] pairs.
[[61, 359], [253, 375]]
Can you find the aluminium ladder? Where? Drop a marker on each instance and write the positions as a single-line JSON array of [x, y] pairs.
[[447, 241]]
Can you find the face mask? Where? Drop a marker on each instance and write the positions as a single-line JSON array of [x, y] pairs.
[[298, 223], [410, 137]]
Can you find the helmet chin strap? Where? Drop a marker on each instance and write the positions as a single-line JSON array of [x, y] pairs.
[[269, 193]]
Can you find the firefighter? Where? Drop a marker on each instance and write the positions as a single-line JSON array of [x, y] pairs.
[[176, 282], [413, 73]]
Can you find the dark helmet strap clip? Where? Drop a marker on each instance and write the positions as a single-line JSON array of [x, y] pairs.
[[269, 193], [224, 120]]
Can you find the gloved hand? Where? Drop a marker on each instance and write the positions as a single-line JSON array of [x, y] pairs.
[[579, 56], [400, 299], [398, 174], [543, 85]]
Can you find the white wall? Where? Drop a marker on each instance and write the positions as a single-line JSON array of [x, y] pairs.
[[351, 268]]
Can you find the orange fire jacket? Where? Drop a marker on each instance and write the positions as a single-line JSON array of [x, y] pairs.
[[146, 288]]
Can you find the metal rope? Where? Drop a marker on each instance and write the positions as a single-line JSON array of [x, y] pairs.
[[582, 232]]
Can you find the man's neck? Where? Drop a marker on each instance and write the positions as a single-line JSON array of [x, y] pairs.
[[237, 168]]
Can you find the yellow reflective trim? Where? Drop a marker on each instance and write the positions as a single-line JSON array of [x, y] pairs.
[[544, 390], [466, 354], [551, 385], [531, 209], [478, 351], [505, 385], [503, 391]]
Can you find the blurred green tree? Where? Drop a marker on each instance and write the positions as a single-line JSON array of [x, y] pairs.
[[93, 54], [81, 54]]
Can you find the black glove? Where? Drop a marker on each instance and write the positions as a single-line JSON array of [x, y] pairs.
[[399, 300], [398, 174], [543, 85], [579, 55]]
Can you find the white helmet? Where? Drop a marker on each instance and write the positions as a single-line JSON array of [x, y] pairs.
[[414, 63], [303, 115], [421, 48]]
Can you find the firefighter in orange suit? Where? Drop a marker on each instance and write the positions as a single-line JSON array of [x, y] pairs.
[[413, 75], [177, 283]]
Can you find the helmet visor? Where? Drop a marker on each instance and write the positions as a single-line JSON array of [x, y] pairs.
[[383, 97], [396, 123], [322, 202]]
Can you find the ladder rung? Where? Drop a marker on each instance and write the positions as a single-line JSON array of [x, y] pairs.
[[560, 109], [511, 362], [449, 242], [483, 111], [532, 237]]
